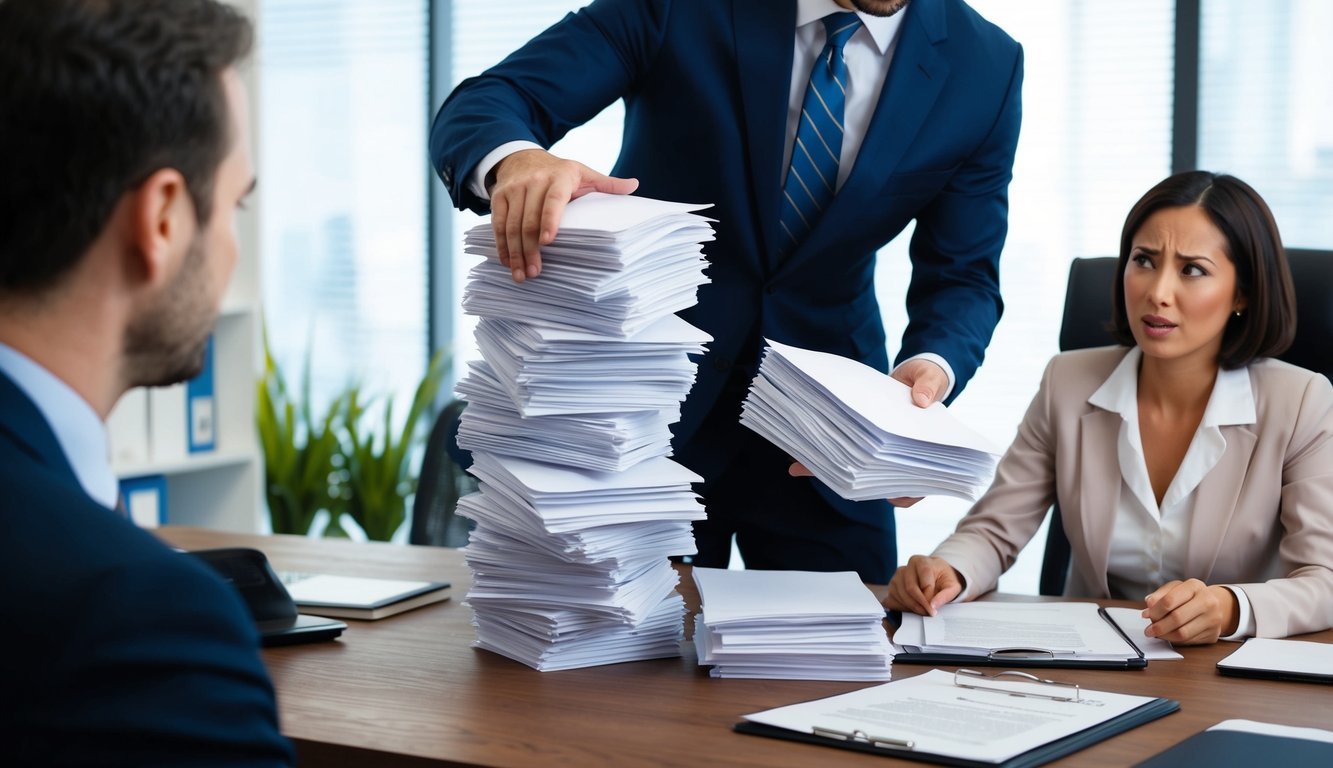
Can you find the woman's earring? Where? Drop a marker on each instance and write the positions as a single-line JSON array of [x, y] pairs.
[[1237, 313]]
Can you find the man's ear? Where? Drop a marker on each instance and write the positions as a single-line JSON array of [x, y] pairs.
[[162, 225]]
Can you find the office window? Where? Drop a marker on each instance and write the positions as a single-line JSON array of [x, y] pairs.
[[342, 170], [1096, 134], [483, 33], [1266, 107]]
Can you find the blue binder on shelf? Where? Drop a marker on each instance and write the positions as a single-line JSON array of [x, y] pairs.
[[200, 406], [145, 500]]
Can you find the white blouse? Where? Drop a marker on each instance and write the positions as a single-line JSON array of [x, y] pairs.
[[1148, 542]]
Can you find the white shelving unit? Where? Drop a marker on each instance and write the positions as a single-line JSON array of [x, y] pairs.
[[223, 488]]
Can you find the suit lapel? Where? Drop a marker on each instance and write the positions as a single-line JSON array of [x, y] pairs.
[[765, 38], [24, 426], [916, 76], [1216, 502], [1099, 491]]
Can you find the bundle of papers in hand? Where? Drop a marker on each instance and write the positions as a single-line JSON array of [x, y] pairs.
[[617, 264], [857, 430], [568, 418], [792, 625]]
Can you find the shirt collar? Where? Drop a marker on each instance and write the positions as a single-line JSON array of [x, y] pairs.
[[881, 28], [1231, 401], [77, 427]]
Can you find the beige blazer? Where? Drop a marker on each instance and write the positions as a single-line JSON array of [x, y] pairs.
[[1265, 508]]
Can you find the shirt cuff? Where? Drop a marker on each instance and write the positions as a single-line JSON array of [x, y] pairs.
[[1245, 621], [931, 356], [493, 158]]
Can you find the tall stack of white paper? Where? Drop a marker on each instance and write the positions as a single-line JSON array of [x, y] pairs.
[[857, 430], [568, 417], [790, 625]]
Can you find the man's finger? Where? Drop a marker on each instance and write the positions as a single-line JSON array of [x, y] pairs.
[[499, 213], [532, 220], [513, 225], [923, 393]]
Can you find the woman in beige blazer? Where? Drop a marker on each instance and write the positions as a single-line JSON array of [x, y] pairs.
[[1191, 471]]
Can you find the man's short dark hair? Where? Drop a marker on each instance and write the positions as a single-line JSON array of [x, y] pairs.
[[1267, 326], [95, 97]]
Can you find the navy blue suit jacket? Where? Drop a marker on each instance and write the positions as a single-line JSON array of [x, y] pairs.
[[116, 650], [706, 87]]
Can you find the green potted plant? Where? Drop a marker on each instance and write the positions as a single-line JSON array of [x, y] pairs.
[[380, 473], [302, 454]]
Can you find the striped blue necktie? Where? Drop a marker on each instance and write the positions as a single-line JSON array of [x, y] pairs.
[[812, 176]]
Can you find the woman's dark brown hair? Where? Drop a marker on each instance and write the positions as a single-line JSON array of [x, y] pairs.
[[1268, 324]]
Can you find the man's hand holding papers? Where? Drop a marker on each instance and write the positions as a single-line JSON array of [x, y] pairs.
[[858, 431]]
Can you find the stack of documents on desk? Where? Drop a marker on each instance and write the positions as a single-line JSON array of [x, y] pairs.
[[514, 562], [857, 430], [611, 441], [568, 421], [552, 370], [792, 625], [617, 265]]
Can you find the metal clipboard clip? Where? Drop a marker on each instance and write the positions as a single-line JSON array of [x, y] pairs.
[[879, 742], [980, 681], [1000, 654]]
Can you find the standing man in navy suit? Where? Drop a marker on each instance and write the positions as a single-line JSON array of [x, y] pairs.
[[124, 155], [715, 96]]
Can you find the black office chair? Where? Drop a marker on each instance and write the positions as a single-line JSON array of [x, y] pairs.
[[1086, 323], [441, 484]]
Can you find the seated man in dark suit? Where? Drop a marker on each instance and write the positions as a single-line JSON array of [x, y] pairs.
[[124, 158]]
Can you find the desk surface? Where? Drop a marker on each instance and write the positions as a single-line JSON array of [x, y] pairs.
[[410, 690]]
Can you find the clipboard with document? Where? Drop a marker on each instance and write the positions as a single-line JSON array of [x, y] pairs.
[[1029, 634], [968, 718]]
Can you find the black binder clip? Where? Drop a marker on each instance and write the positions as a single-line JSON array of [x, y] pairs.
[[980, 681]]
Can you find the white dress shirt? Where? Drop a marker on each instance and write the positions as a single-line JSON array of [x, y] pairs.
[[1149, 541], [77, 427]]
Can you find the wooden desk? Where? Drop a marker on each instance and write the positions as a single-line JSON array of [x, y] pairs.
[[411, 691]]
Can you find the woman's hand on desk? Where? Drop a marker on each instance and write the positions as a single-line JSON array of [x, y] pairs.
[[1191, 612], [923, 585]]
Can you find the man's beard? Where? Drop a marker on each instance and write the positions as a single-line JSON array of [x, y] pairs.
[[167, 343], [879, 7]]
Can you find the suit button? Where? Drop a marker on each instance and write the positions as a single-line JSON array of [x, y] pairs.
[[770, 290], [721, 365]]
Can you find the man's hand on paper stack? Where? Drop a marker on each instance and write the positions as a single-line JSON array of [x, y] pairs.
[[528, 197], [927, 380]]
